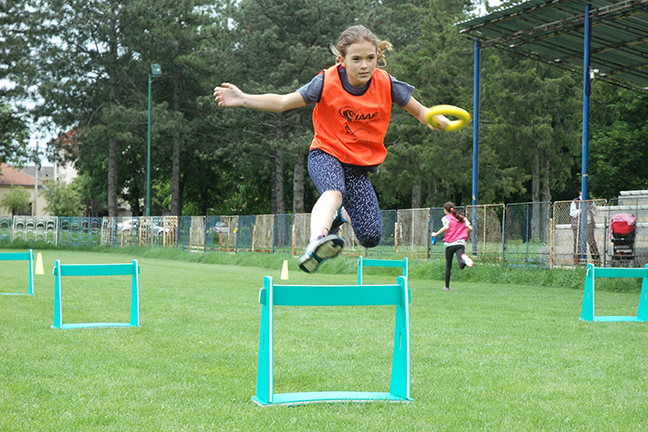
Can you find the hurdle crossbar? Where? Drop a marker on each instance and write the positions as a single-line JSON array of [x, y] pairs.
[[272, 295], [370, 262]]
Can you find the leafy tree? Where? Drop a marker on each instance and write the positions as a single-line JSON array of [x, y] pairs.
[[179, 36], [16, 54], [85, 71], [62, 199], [422, 167], [87, 64], [277, 46], [17, 200], [14, 136], [618, 149], [535, 110]]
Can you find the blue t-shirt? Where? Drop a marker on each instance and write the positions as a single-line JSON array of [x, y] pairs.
[[312, 92]]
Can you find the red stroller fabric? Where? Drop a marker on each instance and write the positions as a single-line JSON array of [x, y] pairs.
[[622, 224]]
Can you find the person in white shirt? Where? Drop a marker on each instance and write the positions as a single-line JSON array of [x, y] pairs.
[[575, 211]]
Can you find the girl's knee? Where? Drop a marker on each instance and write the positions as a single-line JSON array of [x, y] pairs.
[[373, 242], [369, 240]]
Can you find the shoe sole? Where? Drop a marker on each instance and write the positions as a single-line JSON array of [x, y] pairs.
[[467, 260], [327, 250], [309, 265]]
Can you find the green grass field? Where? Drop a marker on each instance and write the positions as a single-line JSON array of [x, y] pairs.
[[485, 356]]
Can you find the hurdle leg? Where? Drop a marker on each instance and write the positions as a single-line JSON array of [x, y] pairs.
[[642, 312], [265, 373], [58, 305], [31, 272], [135, 317], [400, 376], [360, 270], [587, 312]]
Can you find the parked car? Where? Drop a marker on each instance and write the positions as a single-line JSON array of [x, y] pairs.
[[220, 227], [125, 225], [158, 230]]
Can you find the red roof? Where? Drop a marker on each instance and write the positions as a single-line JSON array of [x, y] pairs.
[[11, 176]]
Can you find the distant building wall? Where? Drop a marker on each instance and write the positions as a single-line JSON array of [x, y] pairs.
[[12, 176]]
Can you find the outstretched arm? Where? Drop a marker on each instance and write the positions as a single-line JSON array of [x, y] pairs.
[[228, 95], [415, 108], [446, 225]]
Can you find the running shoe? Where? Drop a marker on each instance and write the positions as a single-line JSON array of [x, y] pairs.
[[319, 250], [467, 260]]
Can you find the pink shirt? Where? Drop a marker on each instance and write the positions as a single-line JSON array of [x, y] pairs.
[[456, 230]]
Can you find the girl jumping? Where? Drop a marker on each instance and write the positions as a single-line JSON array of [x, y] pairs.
[[353, 107]]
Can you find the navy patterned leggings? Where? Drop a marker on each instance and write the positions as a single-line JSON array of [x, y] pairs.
[[358, 196]]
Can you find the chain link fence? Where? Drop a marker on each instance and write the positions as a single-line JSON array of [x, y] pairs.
[[387, 245], [300, 233], [526, 235], [578, 232], [213, 228], [565, 233], [263, 233], [485, 240], [245, 233], [411, 232], [283, 233]]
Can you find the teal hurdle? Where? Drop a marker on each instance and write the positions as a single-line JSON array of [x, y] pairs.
[[272, 295], [61, 270], [368, 262], [587, 313], [21, 256]]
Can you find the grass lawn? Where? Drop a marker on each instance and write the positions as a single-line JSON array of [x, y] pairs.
[[485, 356]]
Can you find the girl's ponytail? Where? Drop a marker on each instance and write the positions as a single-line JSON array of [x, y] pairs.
[[451, 209]]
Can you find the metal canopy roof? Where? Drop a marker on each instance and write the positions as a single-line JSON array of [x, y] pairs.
[[553, 32]]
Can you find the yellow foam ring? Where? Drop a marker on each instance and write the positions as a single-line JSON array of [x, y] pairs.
[[449, 110]]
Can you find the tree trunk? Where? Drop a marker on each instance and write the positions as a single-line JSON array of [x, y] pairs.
[[175, 161], [277, 194], [112, 144], [278, 206], [546, 190], [112, 177], [181, 194], [431, 190], [535, 179], [416, 196], [298, 186]]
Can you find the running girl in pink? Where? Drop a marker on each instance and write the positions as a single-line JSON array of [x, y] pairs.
[[456, 228]]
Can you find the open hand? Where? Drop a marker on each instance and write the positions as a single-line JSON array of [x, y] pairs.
[[228, 95]]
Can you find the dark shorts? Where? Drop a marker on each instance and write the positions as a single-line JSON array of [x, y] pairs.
[[359, 197]]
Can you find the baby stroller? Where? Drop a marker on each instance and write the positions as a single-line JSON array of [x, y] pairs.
[[622, 232]]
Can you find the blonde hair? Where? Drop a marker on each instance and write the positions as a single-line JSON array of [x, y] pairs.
[[357, 34]]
